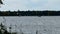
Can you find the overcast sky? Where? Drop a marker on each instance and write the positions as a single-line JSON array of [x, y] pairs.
[[31, 5]]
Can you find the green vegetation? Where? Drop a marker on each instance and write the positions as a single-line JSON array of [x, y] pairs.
[[30, 13], [3, 30]]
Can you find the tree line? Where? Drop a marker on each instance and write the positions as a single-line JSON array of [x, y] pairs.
[[29, 13]]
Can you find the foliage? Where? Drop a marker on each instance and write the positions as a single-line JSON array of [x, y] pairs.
[[30, 13]]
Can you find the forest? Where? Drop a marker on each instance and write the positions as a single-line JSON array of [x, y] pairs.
[[30, 13]]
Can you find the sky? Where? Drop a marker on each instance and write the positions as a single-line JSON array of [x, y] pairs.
[[30, 5]]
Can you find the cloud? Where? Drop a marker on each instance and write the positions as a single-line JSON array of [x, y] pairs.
[[52, 5], [35, 1], [31, 5]]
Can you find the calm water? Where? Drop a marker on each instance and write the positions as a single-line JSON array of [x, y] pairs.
[[29, 24]]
